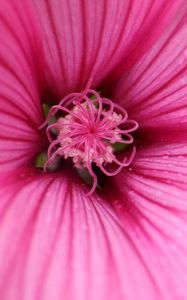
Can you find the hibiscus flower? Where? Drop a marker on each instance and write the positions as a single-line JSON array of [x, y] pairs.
[[93, 63]]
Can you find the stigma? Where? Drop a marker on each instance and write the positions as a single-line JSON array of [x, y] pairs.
[[86, 129]]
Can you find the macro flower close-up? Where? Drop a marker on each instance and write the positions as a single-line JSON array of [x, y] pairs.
[[93, 149]]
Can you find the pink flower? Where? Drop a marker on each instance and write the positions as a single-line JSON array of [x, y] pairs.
[[127, 238]]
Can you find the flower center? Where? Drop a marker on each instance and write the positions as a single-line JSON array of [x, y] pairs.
[[88, 129]]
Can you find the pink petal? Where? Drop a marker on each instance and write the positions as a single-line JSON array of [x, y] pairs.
[[21, 68], [151, 198], [86, 41], [56, 243], [154, 91]]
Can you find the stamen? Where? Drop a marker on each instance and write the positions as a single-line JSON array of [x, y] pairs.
[[88, 131]]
